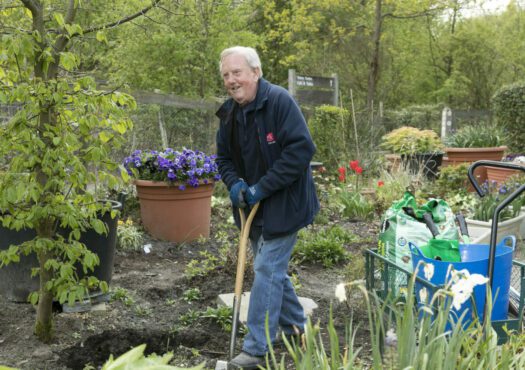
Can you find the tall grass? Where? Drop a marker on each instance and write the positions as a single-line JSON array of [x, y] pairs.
[[425, 338]]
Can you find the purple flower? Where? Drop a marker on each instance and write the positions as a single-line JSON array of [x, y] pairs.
[[185, 168]]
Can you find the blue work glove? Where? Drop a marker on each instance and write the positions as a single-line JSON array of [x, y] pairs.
[[253, 195], [237, 194]]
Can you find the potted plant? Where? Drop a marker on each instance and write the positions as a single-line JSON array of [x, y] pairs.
[[174, 190], [473, 143], [511, 218], [417, 148]]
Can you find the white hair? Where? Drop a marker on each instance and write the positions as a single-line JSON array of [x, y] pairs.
[[249, 54]]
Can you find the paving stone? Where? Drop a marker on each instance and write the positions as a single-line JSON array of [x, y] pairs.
[[227, 300]]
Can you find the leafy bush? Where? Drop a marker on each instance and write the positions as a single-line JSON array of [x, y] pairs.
[[451, 180], [509, 110], [392, 189], [328, 127], [411, 140], [355, 206], [420, 116], [129, 236], [480, 135], [325, 246]]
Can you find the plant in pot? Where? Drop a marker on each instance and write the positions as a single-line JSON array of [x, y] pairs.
[[174, 190], [471, 143], [419, 149], [482, 209]]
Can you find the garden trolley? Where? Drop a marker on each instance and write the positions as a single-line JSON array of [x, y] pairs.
[[379, 270]]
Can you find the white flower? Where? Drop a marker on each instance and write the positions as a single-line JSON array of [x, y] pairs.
[[340, 292], [391, 338], [463, 286], [428, 270], [147, 248], [423, 295]]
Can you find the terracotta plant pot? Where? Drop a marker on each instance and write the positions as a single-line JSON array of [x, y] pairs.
[[500, 175], [470, 155], [175, 215]]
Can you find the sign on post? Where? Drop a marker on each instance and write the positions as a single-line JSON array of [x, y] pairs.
[[313, 90]]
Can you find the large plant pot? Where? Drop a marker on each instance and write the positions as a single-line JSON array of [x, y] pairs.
[[175, 215], [16, 282], [480, 230], [428, 163], [500, 175], [470, 155]]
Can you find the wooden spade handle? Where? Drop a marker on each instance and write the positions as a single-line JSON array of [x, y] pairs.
[[241, 256]]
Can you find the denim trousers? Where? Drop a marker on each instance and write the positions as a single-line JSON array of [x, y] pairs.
[[272, 293]]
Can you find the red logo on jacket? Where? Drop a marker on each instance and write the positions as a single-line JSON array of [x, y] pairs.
[[270, 139]]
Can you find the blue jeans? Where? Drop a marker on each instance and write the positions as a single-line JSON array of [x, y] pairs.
[[272, 292]]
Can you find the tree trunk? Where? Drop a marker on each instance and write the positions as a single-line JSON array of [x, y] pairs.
[[373, 75], [44, 313]]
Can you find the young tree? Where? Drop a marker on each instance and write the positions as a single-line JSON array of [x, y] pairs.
[[63, 128]]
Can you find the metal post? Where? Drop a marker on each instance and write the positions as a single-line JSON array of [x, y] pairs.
[[336, 89], [292, 89]]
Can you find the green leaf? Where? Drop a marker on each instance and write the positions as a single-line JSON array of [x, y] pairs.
[[104, 137], [59, 18], [101, 37]]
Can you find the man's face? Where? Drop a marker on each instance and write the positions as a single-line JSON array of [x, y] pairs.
[[240, 80]]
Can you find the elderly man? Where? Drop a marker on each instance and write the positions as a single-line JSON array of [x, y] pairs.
[[263, 153]]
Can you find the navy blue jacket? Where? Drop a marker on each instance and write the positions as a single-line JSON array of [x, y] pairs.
[[287, 148]]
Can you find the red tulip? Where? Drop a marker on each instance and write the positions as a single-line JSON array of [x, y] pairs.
[[380, 183], [342, 171], [358, 170], [342, 177], [354, 165]]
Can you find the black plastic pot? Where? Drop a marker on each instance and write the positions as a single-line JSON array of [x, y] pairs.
[[429, 163], [15, 279]]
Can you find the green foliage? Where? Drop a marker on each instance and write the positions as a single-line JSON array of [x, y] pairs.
[[393, 188], [452, 180], [509, 110], [426, 117], [221, 315], [485, 206], [354, 206], [404, 335], [479, 135], [325, 246], [329, 129], [192, 294], [411, 140], [202, 267], [123, 295], [189, 318], [134, 359], [129, 236]]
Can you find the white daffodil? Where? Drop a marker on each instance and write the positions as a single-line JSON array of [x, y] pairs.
[[340, 292], [463, 286], [391, 338], [428, 270], [423, 295]]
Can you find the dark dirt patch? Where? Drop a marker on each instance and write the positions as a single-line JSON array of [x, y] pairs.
[[154, 284]]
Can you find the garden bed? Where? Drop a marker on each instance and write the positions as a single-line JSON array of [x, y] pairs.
[[150, 305]]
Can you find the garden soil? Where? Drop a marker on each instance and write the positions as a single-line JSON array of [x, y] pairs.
[[149, 304]]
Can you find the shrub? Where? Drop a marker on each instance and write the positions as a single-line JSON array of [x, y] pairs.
[[480, 135], [355, 206], [328, 127], [325, 247], [410, 140], [509, 110], [129, 236], [451, 180], [420, 116]]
